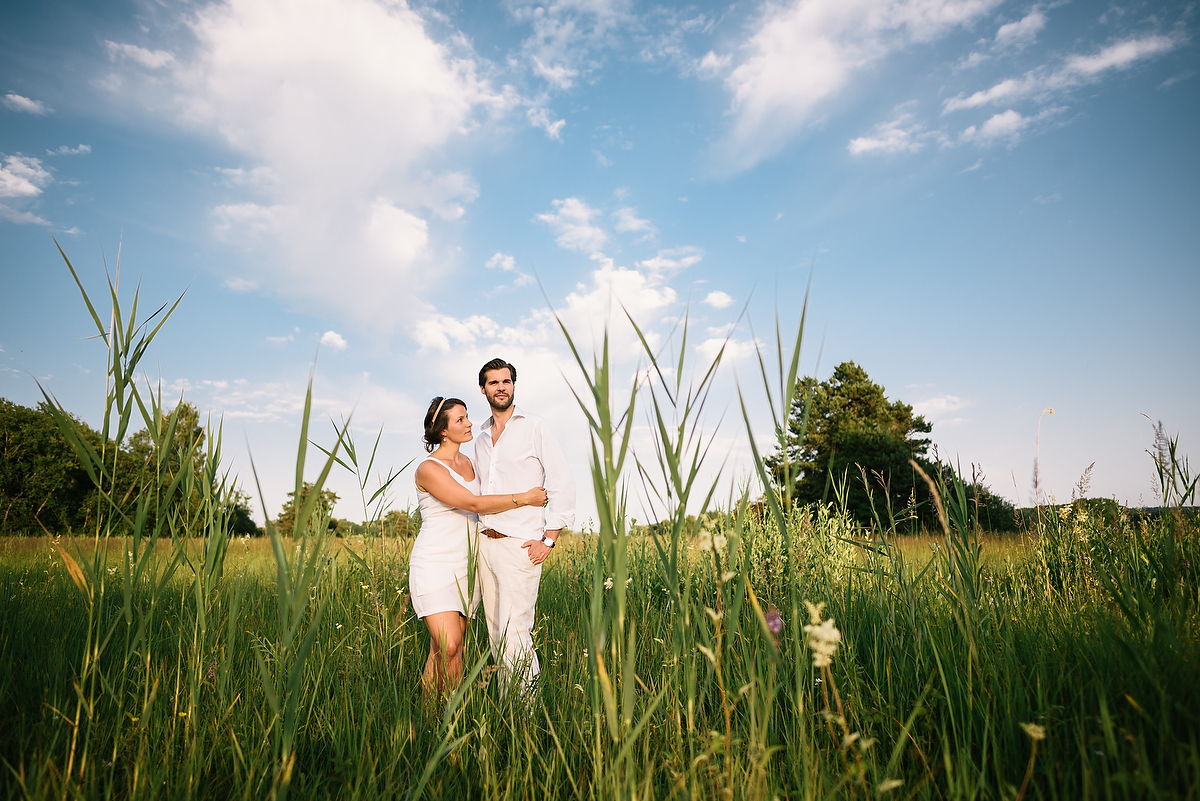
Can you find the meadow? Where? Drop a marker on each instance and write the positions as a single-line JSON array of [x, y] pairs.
[[782, 651]]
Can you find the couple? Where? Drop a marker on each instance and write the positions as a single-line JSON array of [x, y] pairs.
[[515, 451]]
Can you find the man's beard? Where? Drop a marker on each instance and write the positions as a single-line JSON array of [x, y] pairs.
[[496, 404]]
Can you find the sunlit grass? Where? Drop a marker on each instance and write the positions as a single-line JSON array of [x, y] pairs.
[[171, 661]]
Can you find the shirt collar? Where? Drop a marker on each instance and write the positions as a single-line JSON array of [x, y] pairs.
[[487, 424]]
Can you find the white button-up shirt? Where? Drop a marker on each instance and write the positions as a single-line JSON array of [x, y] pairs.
[[526, 456]]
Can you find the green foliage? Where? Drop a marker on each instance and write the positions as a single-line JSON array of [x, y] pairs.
[[322, 509], [844, 427], [43, 486], [674, 666]]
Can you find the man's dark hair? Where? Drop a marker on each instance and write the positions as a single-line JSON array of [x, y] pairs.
[[496, 364]]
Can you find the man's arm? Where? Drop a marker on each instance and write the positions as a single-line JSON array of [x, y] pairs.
[[559, 483], [560, 491]]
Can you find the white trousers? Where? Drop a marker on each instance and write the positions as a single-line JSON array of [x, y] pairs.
[[510, 588]]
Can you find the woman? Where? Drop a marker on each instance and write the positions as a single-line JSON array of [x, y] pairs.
[[448, 494]]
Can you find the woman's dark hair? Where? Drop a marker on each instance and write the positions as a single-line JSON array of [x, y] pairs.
[[436, 420], [496, 364]]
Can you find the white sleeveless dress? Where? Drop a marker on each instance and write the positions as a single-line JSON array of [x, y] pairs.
[[438, 567]]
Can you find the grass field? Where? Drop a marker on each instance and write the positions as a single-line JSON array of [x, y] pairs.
[[781, 652]]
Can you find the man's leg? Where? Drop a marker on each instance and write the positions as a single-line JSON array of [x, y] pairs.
[[510, 587]]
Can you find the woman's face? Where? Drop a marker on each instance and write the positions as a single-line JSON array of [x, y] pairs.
[[458, 428]]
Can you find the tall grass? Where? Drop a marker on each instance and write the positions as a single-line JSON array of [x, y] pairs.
[[780, 652]]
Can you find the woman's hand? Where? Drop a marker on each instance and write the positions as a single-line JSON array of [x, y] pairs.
[[533, 497]]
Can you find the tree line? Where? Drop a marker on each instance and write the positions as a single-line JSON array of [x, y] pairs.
[[846, 443], [45, 490]]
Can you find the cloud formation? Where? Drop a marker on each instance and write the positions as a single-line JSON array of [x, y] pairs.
[[1075, 70], [338, 108], [718, 300], [332, 339], [571, 222], [805, 51], [22, 104], [22, 179]]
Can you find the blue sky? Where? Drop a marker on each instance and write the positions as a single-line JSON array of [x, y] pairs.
[[997, 202]]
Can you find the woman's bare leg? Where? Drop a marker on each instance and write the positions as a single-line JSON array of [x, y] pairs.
[[443, 668]]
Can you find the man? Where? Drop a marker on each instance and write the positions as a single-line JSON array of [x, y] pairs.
[[516, 451]]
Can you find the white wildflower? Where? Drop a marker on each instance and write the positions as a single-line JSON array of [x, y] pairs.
[[1034, 731], [823, 636], [608, 583], [711, 542]]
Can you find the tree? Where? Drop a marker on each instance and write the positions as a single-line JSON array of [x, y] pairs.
[[853, 428], [322, 513], [42, 484]]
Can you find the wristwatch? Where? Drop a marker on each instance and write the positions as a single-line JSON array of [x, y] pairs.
[[548, 541]]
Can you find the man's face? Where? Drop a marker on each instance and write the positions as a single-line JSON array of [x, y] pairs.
[[499, 388]]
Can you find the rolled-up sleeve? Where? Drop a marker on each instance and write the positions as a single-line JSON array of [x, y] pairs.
[[560, 485]]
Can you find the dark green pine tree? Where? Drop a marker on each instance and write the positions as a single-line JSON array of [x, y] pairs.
[[851, 423]]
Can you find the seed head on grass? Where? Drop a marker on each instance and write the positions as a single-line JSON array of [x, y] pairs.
[[823, 636]]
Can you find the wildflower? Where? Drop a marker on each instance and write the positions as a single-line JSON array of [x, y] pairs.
[[823, 636], [1034, 731], [339, 625], [608, 583], [628, 581], [212, 670], [887, 785], [711, 542], [774, 620], [183, 714]]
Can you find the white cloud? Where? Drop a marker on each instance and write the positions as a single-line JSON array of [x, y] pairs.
[[735, 349], [1023, 31], [502, 260], [571, 220], [22, 217], [942, 409], [64, 150], [22, 177], [236, 284], [627, 222], [540, 117], [718, 300], [1005, 125], [257, 177], [338, 108], [601, 159], [506, 263], [332, 339], [17, 102], [150, 59], [566, 34], [1075, 70], [901, 135], [713, 65], [669, 261], [805, 51]]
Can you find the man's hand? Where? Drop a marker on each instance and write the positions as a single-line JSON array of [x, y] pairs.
[[537, 551]]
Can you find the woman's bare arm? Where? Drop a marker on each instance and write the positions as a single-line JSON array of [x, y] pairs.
[[440, 484]]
